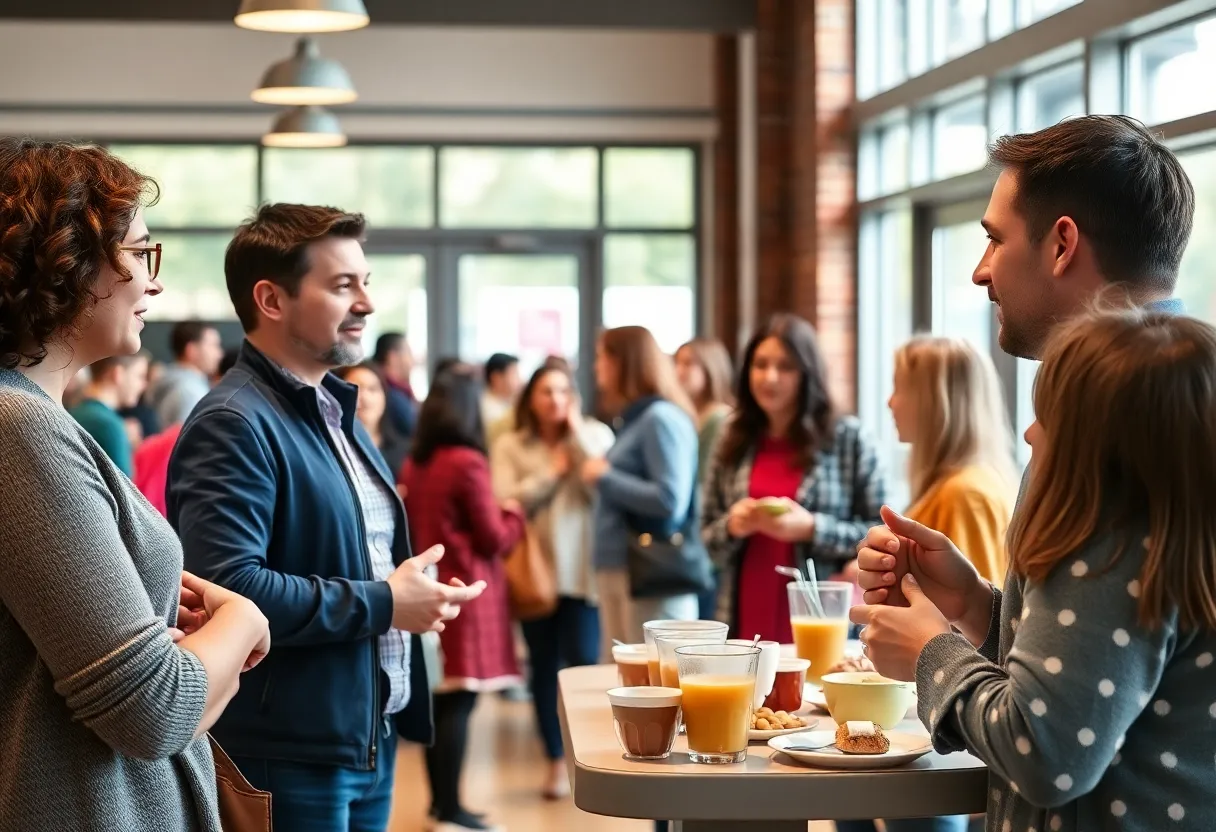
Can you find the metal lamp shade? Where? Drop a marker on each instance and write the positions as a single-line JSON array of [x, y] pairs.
[[305, 127], [302, 15], [306, 78]]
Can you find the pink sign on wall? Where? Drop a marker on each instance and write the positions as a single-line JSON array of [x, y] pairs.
[[540, 330]]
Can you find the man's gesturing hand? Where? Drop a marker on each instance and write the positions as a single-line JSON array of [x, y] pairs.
[[420, 603]]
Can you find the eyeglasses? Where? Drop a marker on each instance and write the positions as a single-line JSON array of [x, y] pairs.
[[151, 257]]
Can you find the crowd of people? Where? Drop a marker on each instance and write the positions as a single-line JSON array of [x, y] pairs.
[[288, 555]]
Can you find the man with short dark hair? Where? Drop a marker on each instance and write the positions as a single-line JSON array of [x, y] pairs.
[[502, 386], [396, 362], [1079, 206], [115, 383], [278, 493], [197, 352], [1087, 204]]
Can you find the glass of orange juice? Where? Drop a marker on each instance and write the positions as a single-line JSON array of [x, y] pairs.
[[667, 642], [651, 628], [819, 617], [717, 682]]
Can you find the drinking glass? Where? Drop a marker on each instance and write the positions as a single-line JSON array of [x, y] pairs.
[[650, 628], [718, 682], [819, 617], [667, 641]]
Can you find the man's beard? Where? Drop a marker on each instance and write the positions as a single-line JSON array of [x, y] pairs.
[[333, 354]]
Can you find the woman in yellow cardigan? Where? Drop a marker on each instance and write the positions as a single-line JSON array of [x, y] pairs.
[[948, 405]]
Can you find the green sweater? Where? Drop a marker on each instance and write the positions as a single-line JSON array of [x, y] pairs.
[[105, 425], [98, 706]]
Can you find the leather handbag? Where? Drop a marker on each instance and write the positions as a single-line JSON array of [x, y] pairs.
[[660, 567], [242, 807], [531, 583]]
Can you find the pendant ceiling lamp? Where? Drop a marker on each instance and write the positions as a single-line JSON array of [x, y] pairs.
[[305, 127], [306, 78], [302, 16]]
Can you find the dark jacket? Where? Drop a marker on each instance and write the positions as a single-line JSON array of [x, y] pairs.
[[264, 507]]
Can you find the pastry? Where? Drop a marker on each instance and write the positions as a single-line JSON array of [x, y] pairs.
[[861, 738]]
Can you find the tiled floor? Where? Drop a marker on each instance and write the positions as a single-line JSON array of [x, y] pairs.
[[503, 777]]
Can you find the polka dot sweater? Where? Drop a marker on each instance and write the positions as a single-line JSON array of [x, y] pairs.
[[1086, 720]]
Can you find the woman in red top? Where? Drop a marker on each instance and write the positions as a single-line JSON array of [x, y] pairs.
[[785, 441], [450, 502]]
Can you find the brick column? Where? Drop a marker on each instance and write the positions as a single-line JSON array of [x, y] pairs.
[[805, 206]]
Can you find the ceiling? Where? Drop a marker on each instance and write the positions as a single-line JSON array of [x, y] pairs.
[[694, 15]]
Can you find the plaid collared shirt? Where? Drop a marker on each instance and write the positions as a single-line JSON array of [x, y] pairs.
[[379, 522]]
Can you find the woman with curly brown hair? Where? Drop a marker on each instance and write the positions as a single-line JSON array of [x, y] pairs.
[[113, 662]]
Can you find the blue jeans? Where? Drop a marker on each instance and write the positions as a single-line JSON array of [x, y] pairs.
[[570, 637], [306, 797], [954, 823]]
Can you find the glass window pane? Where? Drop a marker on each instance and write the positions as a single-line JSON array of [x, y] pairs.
[[200, 185], [1031, 10], [958, 27], [885, 322], [398, 290], [893, 37], [650, 281], [960, 138], [392, 186], [649, 187], [868, 164], [893, 152], [1197, 276], [1049, 97], [1164, 72], [192, 271], [868, 49], [518, 187], [523, 304], [960, 308]]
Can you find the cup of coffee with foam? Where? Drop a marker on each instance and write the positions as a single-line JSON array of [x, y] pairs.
[[646, 720]]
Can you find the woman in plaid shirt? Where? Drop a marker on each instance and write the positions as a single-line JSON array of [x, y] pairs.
[[785, 441]]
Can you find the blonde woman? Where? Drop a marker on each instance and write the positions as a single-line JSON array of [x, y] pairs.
[[947, 404]]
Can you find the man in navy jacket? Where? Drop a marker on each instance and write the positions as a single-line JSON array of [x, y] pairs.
[[279, 494]]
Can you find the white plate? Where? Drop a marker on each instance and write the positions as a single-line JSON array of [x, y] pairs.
[[904, 749], [754, 735]]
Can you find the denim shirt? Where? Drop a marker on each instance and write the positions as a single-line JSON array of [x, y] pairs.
[[652, 479]]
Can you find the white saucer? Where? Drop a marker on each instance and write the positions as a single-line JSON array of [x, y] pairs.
[[905, 748]]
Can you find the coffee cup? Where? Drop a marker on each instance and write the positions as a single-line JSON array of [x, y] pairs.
[[766, 668], [646, 720], [787, 687], [631, 664]]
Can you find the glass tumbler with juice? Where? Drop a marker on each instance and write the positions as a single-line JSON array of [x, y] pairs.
[[717, 682], [819, 617], [651, 628]]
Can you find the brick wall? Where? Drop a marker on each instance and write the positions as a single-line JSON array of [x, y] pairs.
[[805, 211]]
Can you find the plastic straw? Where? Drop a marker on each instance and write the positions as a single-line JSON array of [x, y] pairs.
[[808, 588]]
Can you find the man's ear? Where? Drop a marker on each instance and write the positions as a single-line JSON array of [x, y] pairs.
[[268, 299], [1064, 238]]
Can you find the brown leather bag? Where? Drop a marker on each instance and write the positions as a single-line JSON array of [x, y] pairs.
[[242, 807], [531, 584]]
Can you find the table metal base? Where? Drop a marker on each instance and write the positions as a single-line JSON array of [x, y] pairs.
[[738, 826]]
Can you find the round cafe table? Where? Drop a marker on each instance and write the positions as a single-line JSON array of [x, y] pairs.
[[767, 791]]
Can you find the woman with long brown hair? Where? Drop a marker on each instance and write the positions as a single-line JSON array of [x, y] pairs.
[[1090, 698], [537, 464], [785, 442], [647, 483]]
